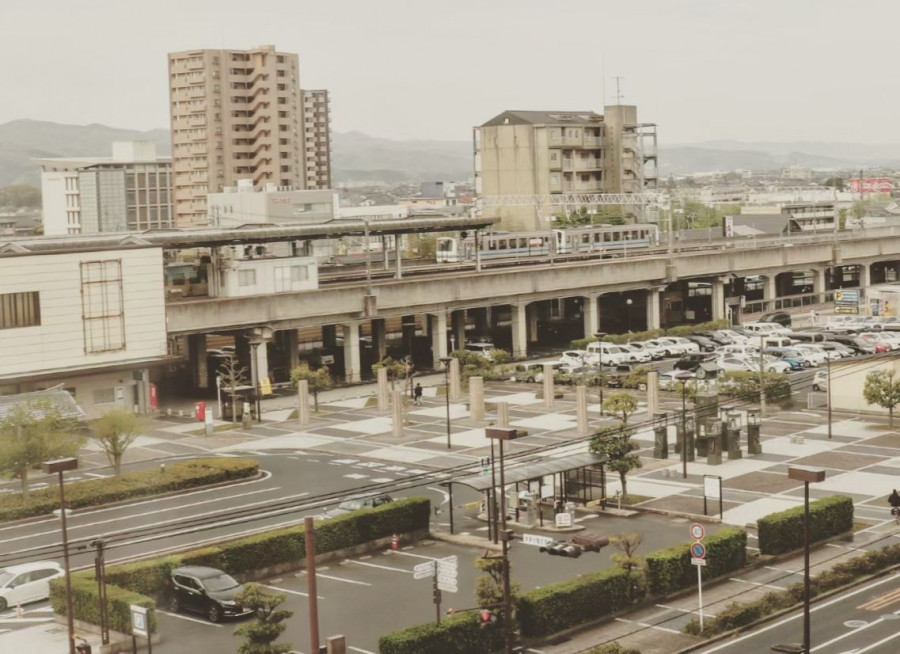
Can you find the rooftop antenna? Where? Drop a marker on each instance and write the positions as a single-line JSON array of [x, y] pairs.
[[603, 76], [618, 89]]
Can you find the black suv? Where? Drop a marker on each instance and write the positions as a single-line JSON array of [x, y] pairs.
[[692, 360], [207, 591], [778, 317]]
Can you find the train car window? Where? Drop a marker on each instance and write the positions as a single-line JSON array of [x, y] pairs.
[[523, 243], [503, 244], [492, 245]]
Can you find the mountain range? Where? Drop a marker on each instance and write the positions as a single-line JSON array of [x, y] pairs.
[[360, 157]]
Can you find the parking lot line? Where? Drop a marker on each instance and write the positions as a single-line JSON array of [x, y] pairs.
[[418, 556], [319, 575], [289, 591], [383, 567], [184, 617], [361, 651]]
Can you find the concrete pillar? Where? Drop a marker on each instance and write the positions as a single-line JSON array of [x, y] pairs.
[[819, 285], [352, 365], [242, 350], [329, 335], [379, 337], [291, 347], [519, 330], [197, 354], [455, 386], [591, 314], [718, 299], [548, 385], [398, 253], [408, 329], [770, 290], [382, 389], [581, 410], [865, 276], [458, 329], [262, 361], [476, 398], [398, 414], [302, 402], [532, 313], [653, 309], [502, 414], [437, 326], [482, 326], [652, 392]]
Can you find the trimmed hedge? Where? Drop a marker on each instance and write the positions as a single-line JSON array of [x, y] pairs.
[[131, 485], [281, 546], [670, 570], [86, 606], [457, 635], [612, 648], [745, 385], [783, 532], [742, 614], [681, 330], [553, 608]]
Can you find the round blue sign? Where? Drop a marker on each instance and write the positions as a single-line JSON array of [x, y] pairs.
[[698, 551]]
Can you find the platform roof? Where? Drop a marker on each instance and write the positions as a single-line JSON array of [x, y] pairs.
[[533, 470]]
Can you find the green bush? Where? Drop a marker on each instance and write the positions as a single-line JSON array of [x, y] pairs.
[[86, 602], [81, 494], [670, 570], [612, 648], [278, 547], [783, 532], [745, 385], [742, 614], [457, 635], [553, 608]]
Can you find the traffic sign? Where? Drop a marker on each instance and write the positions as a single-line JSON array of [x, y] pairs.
[[537, 541], [450, 588], [697, 531], [450, 560], [424, 574], [425, 567], [446, 579], [700, 562], [698, 551], [563, 520]]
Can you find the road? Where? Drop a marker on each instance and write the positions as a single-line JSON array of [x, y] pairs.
[[863, 620]]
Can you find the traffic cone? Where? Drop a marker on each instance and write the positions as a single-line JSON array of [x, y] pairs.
[[20, 613], [395, 542]]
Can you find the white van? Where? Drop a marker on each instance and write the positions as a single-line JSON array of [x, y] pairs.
[[764, 329], [777, 341], [485, 350], [609, 354]]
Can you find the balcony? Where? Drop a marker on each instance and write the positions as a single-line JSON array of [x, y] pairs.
[[593, 142], [198, 164], [589, 164], [568, 164], [199, 136], [197, 121], [197, 92]]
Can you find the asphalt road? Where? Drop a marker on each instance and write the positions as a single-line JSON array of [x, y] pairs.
[[863, 620]]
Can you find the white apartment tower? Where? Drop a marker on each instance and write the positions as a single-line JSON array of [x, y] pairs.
[[235, 114], [317, 124]]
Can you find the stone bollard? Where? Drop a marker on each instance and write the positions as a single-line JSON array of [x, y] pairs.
[[303, 402], [398, 414], [660, 436], [455, 385], [382, 389], [581, 410], [476, 398], [502, 414], [548, 385], [652, 392]]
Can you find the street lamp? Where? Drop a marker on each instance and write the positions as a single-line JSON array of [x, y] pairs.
[[504, 434], [59, 466], [628, 304], [600, 336], [807, 476], [446, 362]]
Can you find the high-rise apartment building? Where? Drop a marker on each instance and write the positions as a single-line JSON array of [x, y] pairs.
[[129, 191], [562, 152], [317, 128], [235, 114]]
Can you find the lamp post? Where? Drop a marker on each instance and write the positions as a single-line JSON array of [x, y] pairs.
[[446, 362], [600, 336], [628, 304], [59, 466], [807, 476], [501, 435], [828, 388]]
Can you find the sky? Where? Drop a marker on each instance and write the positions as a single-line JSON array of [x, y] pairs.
[[703, 70]]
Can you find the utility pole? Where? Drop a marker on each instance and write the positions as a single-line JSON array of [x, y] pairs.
[[762, 380], [100, 574]]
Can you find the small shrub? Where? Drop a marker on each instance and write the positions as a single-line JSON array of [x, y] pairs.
[[461, 634], [783, 532], [86, 602], [670, 570]]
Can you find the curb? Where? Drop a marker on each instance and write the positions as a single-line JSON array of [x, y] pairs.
[[468, 541]]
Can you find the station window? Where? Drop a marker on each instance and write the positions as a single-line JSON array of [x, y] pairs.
[[20, 310], [246, 278]]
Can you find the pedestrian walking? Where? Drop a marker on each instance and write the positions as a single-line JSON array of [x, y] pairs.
[[417, 394], [813, 317]]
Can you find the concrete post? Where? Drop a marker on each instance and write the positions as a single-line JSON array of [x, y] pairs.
[[652, 392], [291, 347], [581, 410], [262, 361], [653, 309], [865, 277], [197, 354], [352, 365], [519, 330], [455, 386], [382, 389], [502, 414], [437, 325], [476, 398], [302, 402], [770, 290], [458, 327], [398, 414], [718, 299], [819, 285], [660, 436], [336, 645], [548, 385], [398, 254], [379, 337], [532, 313], [591, 314]]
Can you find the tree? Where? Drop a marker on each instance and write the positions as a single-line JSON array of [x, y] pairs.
[[881, 389], [115, 431], [20, 195], [834, 182], [627, 545], [232, 377], [395, 369], [262, 634], [621, 405], [616, 445], [31, 433], [318, 380], [489, 586]]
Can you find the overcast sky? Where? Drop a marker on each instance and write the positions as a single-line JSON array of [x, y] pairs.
[[772, 70]]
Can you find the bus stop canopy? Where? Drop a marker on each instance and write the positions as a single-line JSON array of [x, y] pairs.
[[533, 470]]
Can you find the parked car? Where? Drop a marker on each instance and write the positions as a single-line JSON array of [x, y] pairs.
[[207, 591], [778, 317], [636, 354], [482, 349], [608, 354], [843, 351], [669, 347], [577, 358], [739, 364], [816, 354], [687, 344], [706, 344], [715, 336], [691, 361], [623, 377], [28, 582], [758, 329], [857, 344], [656, 353], [792, 357], [360, 502], [820, 380], [533, 372]]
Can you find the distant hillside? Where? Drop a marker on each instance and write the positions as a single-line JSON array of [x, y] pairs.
[[23, 140], [357, 156]]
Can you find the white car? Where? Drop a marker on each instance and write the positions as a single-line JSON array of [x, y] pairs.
[[485, 350], [670, 348], [688, 344], [764, 329], [654, 351], [669, 380], [820, 380], [578, 358], [814, 353], [29, 582], [636, 354], [738, 364], [607, 353]]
